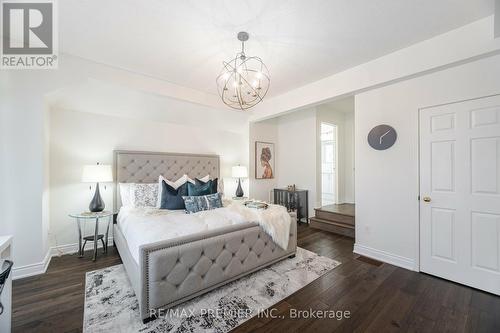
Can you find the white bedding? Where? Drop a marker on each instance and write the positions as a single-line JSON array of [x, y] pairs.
[[142, 226]]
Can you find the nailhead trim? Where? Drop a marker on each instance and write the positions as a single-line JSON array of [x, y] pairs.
[[147, 252]]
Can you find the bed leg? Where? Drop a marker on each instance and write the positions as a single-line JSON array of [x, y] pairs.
[[292, 256]]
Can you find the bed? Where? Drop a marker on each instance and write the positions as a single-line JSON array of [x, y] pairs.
[[165, 273]]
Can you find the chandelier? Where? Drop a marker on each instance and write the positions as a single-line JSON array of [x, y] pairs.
[[243, 81]]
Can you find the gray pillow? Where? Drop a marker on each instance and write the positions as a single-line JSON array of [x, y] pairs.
[[145, 195], [204, 202]]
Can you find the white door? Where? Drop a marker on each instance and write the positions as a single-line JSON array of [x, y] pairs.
[[460, 192]]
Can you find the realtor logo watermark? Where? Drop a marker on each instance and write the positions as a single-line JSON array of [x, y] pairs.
[[29, 35]]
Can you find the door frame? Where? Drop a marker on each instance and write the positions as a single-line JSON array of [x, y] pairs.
[[417, 257], [336, 142]]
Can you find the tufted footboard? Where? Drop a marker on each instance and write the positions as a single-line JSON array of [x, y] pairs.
[[174, 271]]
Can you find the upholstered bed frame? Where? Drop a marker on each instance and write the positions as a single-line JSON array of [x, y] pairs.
[[173, 271]]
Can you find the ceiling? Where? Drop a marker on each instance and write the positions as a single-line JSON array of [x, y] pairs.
[[344, 105], [185, 41], [108, 99]]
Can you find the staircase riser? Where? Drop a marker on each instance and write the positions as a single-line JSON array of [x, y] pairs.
[[323, 225], [329, 216]]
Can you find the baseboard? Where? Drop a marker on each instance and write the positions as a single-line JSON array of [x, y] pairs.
[[60, 250], [41, 267], [32, 269], [386, 257]]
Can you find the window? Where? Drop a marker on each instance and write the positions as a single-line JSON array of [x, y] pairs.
[[328, 164]]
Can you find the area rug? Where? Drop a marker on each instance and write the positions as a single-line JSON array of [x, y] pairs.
[[111, 305]]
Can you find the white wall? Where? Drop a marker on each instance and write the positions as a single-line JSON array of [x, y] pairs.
[[24, 169], [79, 138], [467, 43], [296, 140], [340, 114], [497, 18], [387, 182], [348, 159], [265, 131], [22, 108], [296, 156], [23, 189]]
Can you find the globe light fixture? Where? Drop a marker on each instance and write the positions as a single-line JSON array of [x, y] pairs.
[[244, 80]]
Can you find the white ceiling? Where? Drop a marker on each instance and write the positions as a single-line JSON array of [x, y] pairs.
[[185, 41], [344, 105], [94, 96]]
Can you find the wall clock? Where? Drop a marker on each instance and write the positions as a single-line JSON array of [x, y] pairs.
[[382, 137]]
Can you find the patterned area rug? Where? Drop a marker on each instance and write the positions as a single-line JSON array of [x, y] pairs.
[[111, 305]]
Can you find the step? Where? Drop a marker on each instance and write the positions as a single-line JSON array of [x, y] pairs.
[[332, 226], [335, 217]]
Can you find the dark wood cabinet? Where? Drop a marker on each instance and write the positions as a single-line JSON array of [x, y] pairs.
[[296, 200]]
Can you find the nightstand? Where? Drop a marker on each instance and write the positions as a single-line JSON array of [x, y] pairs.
[[97, 217]]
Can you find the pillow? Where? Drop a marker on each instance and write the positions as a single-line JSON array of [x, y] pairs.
[[204, 179], [197, 190], [144, 195], [171, 198], [213, 182], [205, 202], [125, 193], [182, 180]]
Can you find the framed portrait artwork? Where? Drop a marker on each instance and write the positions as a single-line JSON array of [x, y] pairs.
[[264, 160]]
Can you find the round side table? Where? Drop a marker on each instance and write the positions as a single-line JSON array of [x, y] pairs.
[[87, 217]]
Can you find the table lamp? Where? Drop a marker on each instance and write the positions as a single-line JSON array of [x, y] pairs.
[[99, 173], [239, 172]]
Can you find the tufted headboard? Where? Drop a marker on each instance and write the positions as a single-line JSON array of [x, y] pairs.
[[145, 167]]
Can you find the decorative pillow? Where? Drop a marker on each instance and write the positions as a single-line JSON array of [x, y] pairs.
[[205, 202], [203, 179], [144, 195], [213, 182], [172, 198], [182, 180], [125, 193], [197, 190]]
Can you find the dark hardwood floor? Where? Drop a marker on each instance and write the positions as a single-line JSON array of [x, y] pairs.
[[53, 302], [379, 297]]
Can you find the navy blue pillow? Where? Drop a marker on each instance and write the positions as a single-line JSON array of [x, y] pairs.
[[197, 190], [171, 198], [213, 186]]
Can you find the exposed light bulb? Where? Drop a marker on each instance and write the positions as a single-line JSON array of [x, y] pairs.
[[246, 77]]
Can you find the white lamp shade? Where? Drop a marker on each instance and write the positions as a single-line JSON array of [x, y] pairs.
[[239, 172], [99, 173]]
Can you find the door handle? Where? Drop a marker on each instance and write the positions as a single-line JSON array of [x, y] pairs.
[[427, 199]]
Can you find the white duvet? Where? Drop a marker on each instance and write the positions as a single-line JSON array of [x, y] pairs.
[[142, 226]]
